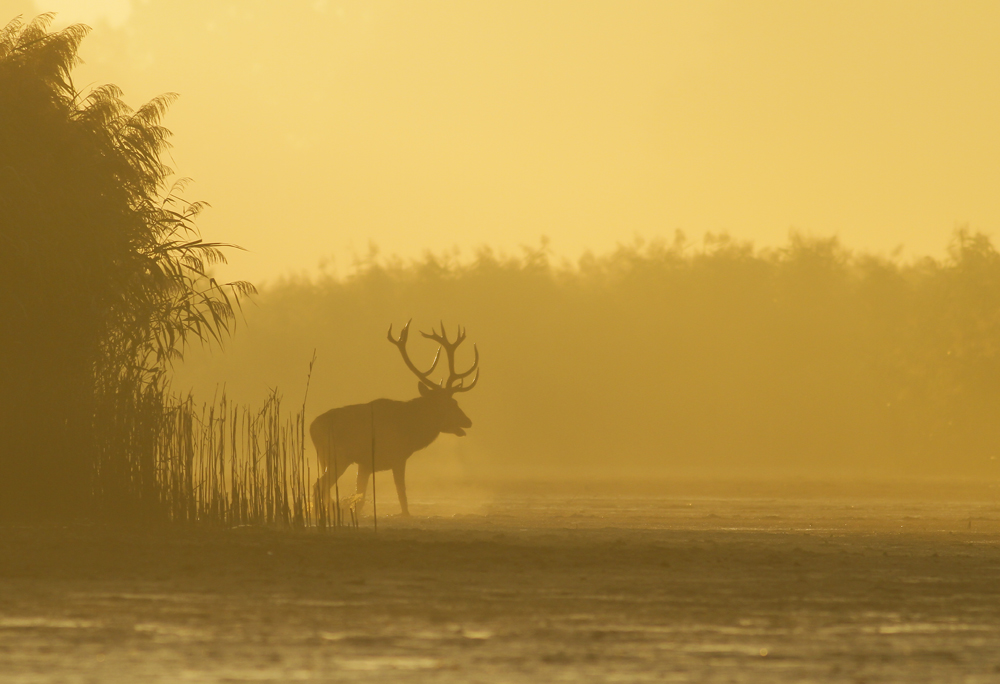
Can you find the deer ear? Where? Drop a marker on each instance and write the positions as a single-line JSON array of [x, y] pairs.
[[425, 391]]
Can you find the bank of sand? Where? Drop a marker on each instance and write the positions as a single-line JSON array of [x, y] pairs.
[[528, 588]]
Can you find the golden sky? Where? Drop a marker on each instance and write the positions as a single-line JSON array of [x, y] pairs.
[[316, 127]]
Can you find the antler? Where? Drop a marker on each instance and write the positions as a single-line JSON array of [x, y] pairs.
[[450, 348], [401, 345]]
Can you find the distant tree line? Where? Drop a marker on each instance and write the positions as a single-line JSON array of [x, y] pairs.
[[667, 357], [102, 279]]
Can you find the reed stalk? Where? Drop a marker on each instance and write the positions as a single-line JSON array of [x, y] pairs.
[[215, 463]]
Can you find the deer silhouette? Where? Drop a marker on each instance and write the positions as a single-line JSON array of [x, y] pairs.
[[384, 433]]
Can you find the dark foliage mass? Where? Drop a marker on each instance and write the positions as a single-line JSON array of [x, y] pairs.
[[666, 358], [103, 279]]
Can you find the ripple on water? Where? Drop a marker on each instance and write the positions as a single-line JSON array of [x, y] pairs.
[[391, 663], [46, 623]]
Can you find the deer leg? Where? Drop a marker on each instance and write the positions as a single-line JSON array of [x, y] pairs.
[[399, 477], [322, 489], [326, 482], [358, 500]]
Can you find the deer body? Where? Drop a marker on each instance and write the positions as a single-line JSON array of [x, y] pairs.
[[343, 436]]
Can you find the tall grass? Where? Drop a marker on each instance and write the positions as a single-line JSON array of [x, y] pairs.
[[219, 463], [228, 464], [170, 458]]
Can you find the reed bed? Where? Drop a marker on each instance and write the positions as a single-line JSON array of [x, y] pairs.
[[230, 465], [217, 462]]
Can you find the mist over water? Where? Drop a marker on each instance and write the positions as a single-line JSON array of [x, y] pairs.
[[660, 359]]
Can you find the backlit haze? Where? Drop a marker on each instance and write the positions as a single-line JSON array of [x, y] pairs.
[[317, 128], [732, 410]]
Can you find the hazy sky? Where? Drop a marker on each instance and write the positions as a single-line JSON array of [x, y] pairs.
[[316, 127]]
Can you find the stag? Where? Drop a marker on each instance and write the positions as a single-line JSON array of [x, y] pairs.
[[384, 433]]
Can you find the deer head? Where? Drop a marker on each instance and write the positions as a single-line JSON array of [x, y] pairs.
[[441, 395]]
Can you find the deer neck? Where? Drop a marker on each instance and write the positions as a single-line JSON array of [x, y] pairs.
[[426, 423]]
